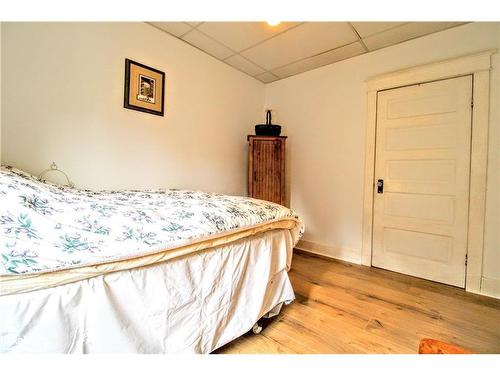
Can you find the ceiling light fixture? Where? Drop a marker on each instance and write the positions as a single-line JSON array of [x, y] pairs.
[[273, 23]]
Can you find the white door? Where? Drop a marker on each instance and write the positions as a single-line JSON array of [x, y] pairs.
[[423, 157]]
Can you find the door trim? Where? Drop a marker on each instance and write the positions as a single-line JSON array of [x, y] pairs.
[[478, 65]]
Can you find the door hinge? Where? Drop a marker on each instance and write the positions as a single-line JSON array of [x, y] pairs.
[[465, 259], [472, 103]]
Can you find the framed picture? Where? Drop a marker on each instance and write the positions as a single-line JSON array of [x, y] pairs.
[[144, 88]]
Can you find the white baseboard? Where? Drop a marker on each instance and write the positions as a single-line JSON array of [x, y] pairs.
[[341, 253], [490, 287]]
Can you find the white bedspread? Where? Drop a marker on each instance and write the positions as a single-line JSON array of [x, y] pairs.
[[191, 304]]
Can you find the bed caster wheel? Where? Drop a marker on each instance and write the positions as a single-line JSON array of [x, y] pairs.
[[256, 329]]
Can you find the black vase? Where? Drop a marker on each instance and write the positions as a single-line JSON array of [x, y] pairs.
[[268, 128]]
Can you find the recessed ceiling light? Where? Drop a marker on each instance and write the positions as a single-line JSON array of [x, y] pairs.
[[273, 23]]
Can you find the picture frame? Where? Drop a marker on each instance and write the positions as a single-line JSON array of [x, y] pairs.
[[144, 88]]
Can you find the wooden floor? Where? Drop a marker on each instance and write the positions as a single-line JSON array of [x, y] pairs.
[[345, 308]]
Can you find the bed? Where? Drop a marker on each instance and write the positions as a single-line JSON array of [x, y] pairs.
[[167, 271]]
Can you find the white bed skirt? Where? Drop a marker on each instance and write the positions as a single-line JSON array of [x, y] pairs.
[[193, 304]]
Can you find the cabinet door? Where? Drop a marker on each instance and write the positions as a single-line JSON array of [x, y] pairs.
[[267, 170]]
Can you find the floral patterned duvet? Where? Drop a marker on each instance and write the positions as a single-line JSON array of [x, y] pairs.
[[46, 227]]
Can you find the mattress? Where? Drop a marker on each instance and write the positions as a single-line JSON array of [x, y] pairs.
[[66, 254], [52, 235]]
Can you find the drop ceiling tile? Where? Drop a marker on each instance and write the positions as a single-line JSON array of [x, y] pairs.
[[207, 44], [241, 35], [300, 42], [267, 77], [405, 32], [271, 53], [244, 65], [174, 28], [370, 28], [325, 58]]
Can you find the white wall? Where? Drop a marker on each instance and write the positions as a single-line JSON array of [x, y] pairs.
[[63, 102], [324, 114], [491, 260]]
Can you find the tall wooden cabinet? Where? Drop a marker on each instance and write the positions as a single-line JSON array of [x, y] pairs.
[[266, 168]]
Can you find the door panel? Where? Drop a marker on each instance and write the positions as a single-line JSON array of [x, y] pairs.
[[267, 170], [437, 208], [418, 137], [421, 171], [423, 156], [409, 106], [416, 244]]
